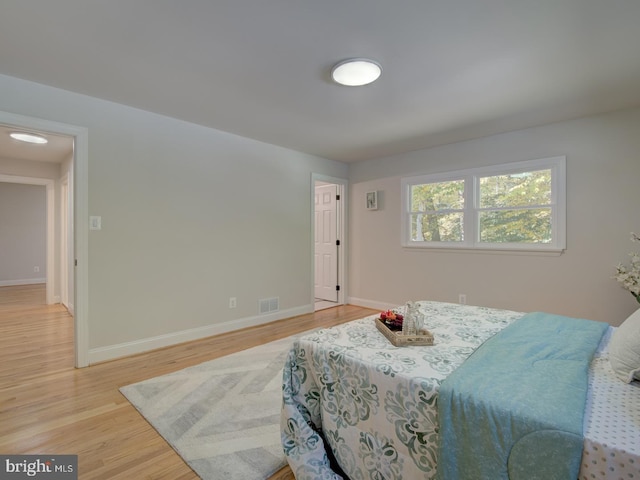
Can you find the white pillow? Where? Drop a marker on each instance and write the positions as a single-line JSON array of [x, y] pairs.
[[624, 349]]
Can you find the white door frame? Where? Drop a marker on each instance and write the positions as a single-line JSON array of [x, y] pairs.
[[81, 221], [342, 233]]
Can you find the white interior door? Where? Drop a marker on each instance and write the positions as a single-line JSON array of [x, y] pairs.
[[326, 248]]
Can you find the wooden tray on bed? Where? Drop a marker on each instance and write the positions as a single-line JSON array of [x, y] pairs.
[[400, 340]]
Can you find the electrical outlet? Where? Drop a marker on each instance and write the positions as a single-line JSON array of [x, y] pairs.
[[462, 299], [36, 269], [232, 302]]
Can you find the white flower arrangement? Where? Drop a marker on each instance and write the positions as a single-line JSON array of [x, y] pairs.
[[629, 277]]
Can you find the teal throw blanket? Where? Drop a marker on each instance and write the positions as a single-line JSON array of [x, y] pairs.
[[514, 409]]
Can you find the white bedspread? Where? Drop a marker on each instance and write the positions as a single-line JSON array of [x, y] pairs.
[[374, 403], [611, 423]]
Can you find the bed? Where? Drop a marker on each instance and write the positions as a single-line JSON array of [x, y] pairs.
[[355, 406]]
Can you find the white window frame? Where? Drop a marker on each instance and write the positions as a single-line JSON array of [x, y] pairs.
[[471, 212]]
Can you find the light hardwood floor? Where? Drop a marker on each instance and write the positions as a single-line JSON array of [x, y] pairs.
[[49, 407]]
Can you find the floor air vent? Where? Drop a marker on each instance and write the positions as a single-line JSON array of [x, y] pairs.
[[268, 305]]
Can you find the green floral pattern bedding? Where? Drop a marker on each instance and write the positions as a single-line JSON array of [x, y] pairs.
[[354, 402]]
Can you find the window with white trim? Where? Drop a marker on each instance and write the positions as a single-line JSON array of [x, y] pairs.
[[515, 206]]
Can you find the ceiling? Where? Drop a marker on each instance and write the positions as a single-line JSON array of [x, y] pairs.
[[452, 70]]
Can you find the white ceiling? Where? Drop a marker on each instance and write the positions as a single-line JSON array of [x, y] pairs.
[[453, 69]]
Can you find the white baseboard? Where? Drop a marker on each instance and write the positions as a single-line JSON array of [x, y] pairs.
[[377, 305], [112, 352], [26, 281]]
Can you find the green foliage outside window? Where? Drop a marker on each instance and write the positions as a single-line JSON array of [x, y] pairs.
[[437, 212], [512, 208]]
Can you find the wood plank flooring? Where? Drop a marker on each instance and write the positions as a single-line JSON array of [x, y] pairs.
[[49, 407]]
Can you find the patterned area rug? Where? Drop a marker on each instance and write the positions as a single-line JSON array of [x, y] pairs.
[[222, 416]]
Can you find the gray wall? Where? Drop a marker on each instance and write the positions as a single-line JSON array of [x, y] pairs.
[[190, 217], [603, 168], [23, 229]]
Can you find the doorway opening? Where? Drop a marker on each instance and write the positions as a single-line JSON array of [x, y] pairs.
[[49, 239], [329, 199], [71, 182]]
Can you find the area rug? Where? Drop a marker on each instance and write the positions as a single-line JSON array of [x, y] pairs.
[[222, 416]]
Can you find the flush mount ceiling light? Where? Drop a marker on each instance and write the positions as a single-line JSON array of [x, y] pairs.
[[356, 72], [28, 137]]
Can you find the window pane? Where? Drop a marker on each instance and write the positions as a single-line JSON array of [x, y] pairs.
[[516, 190], [432, 197], [437, 227], [516, 226]]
